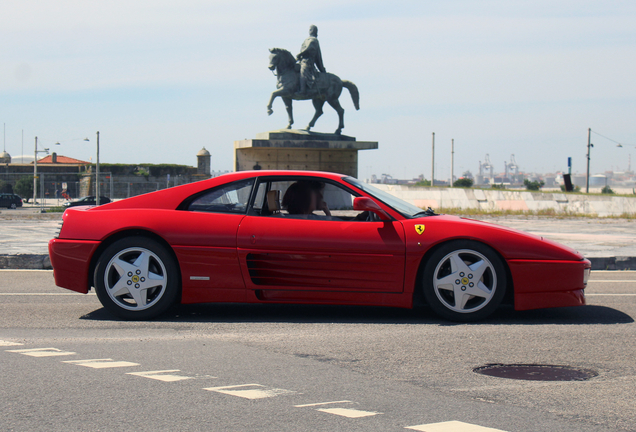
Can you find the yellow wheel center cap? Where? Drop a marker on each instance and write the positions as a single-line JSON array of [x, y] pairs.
[[465, 281], [135, 278]]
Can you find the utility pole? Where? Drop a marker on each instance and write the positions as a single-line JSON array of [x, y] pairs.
[[97, 173], [452, 161], [35, 170], [589, 146], [433, 162]]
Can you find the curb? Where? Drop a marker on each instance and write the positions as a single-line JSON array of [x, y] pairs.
[[42, 262], [25, 262], [613, 263]]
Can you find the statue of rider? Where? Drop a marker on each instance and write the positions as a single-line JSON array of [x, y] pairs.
[[310, 58]]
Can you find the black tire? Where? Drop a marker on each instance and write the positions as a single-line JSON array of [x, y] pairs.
[[13, 206], [158, 282], [450, 294]]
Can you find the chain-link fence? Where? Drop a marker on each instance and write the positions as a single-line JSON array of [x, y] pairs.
[[64, 186]]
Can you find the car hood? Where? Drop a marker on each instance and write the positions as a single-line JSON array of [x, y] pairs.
[[511, 243]]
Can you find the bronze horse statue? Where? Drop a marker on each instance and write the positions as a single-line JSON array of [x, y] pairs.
[[327, 87]]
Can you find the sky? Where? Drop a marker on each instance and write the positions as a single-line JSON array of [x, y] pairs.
[[161, 79]]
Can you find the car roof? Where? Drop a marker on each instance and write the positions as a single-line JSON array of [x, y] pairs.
[[172, 197]]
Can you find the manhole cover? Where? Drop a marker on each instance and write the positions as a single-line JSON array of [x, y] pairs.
[[535, 372]]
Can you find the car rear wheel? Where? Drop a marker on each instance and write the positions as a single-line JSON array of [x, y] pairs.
[[13, 206], [464, 281], [136, 278]]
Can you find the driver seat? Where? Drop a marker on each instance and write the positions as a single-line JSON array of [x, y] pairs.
[[273, 202]]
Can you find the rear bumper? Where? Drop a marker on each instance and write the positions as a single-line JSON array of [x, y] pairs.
[[546, 284], [71, 263]]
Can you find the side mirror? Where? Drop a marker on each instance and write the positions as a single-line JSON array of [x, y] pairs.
[[367, 204]]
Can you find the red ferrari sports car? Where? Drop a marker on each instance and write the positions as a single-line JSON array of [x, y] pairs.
[[304, 237]]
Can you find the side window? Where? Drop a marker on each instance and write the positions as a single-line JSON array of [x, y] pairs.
[[297, 201], [231, 198]]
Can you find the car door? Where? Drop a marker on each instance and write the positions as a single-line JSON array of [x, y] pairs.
[[204, 239], [278, 251]]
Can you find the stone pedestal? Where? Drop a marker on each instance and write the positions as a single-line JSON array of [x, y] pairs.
[[300, 150]]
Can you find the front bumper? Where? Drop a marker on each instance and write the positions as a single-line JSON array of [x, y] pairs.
[[71, 260], [546, 284]]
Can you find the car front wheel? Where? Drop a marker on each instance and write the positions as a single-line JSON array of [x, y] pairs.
[[13, 206], [136, 278], [464, 281]]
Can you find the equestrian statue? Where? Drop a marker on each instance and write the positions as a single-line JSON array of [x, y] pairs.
[[305, 77]]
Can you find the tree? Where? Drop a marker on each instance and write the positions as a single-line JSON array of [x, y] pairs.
[[533, 185], [463, 183], [24, 187], [423, 183]]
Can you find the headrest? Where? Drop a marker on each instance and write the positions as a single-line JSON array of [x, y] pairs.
[[273, 200]]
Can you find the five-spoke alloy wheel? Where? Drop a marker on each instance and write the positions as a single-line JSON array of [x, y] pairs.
[[136, 278], [464, 280]]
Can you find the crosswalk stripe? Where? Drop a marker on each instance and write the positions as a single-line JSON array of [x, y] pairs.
[[256, 392], [452, 426], [7, 343], [161, 375], [42, 352], [101, 363], [348, 412]]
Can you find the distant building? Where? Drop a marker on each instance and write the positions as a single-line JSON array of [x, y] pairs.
[[5, 158]]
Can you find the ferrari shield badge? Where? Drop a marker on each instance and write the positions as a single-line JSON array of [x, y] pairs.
[[419, 229]]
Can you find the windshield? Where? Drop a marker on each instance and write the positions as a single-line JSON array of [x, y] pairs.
[[404, 208]]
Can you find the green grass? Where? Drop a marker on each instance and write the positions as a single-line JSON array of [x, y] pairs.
[[55, 209], [525, 190], [548, 213]]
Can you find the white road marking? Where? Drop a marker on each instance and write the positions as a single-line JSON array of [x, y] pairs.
[[7, 343], [321, 403], [611, 281], [42, 352], [452, 426], [348, 412], [256, 392], [25, 270], [45, 294], [161, 375], [101, 363]]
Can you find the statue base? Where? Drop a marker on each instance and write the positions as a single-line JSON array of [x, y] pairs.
[[290, 149]]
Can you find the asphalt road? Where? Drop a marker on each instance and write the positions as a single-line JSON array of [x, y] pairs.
[[68, 365]]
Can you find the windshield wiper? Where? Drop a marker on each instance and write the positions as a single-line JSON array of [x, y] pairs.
[[428, 212]]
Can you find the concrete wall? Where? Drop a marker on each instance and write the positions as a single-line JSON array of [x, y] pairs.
[[332, 160], [494, 200]]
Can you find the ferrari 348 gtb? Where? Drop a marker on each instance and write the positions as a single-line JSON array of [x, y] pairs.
[[304, 237]]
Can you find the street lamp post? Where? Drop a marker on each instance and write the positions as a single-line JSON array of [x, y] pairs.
[[35, 168], [97, 173], [433, 161], [589, 146], [452, 162]]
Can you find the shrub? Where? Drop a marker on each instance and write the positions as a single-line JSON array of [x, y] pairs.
[[423, 183], [24, 187], [463, 183], [533, 185], [574, 189], [498, 186], [607, 190]]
